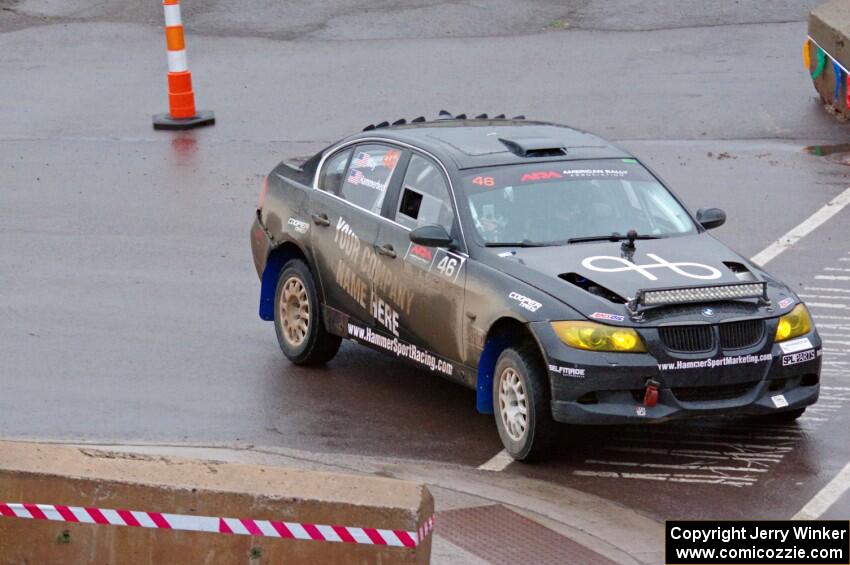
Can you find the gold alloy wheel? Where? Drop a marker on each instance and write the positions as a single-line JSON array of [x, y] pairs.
[[294, 312], [513, 405]]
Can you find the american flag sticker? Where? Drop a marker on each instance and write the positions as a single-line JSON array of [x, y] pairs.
[[356, 177], [364, 160]]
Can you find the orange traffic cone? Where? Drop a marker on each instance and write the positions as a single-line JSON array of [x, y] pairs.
[[181, 98]]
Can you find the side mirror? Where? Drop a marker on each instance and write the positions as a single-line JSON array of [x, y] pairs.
[[432, 235], [711, 218]]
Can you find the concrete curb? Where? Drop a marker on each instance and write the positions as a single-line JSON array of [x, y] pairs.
[[77, 477]]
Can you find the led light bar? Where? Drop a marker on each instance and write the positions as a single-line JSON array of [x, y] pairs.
[[685, 295]]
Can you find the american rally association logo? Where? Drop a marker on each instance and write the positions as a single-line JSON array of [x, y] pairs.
[[685, 269], [421, 253]]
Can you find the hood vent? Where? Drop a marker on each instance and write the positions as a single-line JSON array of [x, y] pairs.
[[588, 285], [741, 271]]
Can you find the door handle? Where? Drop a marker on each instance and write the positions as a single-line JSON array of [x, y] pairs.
[[321, 220], [386, 250]]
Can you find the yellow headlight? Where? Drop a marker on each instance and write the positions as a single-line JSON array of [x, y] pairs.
[[599, 337], [795, 323]]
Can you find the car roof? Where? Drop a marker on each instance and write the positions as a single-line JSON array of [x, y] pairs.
[[486, 142]]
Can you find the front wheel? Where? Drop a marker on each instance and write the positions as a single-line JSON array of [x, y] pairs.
[[521, 403], [298, 322]]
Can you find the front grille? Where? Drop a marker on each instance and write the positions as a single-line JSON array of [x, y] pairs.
[[690, 339], [708, 393], [737, 335]]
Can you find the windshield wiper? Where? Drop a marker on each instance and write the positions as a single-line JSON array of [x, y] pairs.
[[611, 237], [523, 243]]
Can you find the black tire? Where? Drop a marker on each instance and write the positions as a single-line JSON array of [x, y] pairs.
[[310, 345], [540, 428]]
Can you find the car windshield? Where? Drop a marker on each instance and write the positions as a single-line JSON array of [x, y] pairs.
[[553, 203]]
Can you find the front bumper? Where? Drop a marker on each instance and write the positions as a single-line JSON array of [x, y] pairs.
[[608, 388]]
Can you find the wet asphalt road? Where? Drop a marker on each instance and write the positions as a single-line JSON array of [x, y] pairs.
[[127, 294]]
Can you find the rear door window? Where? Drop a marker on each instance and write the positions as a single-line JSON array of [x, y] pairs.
[[369, 174]]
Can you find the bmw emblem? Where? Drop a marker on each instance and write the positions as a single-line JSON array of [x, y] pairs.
[[708, 312]]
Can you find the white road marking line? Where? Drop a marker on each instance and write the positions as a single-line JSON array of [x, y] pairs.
[[827, 496], [826, 305], [827, 296], [675, 478], [828, 317], [826, 289], [836, 269], [832, 277], [826, 212], [497, 463], [683, 467]]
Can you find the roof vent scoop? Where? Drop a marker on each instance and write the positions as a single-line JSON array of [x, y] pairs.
[[535, 146]]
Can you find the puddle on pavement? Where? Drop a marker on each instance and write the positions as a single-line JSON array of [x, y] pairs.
[[837, 153]]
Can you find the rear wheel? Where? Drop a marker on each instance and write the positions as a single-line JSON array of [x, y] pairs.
[[521, 403], [298, 322]]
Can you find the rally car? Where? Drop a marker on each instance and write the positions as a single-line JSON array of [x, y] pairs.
[[538, 264]]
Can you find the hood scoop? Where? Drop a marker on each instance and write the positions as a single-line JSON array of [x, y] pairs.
[[592, 287]]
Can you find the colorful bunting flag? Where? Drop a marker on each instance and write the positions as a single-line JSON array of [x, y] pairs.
[[839, 79], [821, 63], [807, 57]]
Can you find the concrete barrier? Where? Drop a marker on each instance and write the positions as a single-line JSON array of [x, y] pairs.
[[829, 29], [161, 498]]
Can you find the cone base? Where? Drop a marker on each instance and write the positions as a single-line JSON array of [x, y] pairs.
[[201, 118]]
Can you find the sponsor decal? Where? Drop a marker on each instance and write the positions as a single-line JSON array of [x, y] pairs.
[[716, 362], [525, 302], [567, 371], [578, 173], [400, 348], [640, 411], [507, 254], [607, 316], [800, 357], [391, 158], [684, 269], [541, 175], [708, 312], [358, 178], [786, 302], [298, 225], [795, 345], [420, 254], [779, 401], [384, 314], [361, 273]]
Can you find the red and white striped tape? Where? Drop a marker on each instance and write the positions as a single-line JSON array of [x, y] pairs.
[[239, 526]]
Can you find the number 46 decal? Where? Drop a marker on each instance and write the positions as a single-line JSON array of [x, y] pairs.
[[447, 264]]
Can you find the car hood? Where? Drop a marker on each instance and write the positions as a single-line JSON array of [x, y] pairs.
[[681, 261]]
